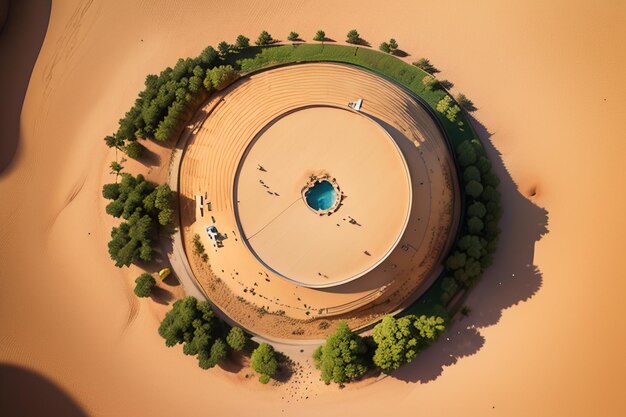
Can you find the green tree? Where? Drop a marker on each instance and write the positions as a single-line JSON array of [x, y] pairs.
[[474, 189], [471, 245], [471, 173], [264, 39], [384, 47], [320, 36], [194, 324], [112, 141], [456, 260], [236, 339], [293, 36], [242, 42], [425, 65], [353, 37], [134, 149], [263, 360], [343, 357], [475, 225], [224, 48], [116, 168], [221, 77], [466, 154], [476, 209], [111, 191], [144, 284], [397, 342], [429, 328], [393, 46]]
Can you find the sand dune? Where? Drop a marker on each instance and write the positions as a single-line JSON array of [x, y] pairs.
[[544, 335]]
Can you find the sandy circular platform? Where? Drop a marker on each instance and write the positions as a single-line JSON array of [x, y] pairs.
[[245, 273], [295, 241]]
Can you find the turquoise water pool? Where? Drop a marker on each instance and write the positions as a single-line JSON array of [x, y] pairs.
[[321, 196]]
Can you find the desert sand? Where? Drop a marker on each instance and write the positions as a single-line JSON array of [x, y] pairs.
[[544, 335]]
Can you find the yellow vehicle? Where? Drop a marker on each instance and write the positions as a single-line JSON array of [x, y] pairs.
[[164, 273]]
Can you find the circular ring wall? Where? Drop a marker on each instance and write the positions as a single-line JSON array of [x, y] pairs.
[[421, 210]]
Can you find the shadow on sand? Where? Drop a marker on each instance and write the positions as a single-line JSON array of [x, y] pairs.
[[513, 277], [21, 38], [25, 393]]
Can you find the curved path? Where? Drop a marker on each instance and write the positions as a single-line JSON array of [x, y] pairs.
[[241, 286]]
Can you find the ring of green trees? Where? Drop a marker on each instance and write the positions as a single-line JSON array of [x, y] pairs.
[[165, 106]]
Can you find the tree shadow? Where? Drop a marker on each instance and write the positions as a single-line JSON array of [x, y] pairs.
[[446, 84], [401, 53], [21, 38], [513, 278], [234, 363], [149, 158], [26, 393], [161, 295]]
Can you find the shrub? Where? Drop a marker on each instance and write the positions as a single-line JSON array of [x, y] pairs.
[[144, 284], [198, 247], [263, 360], [293, 36], [353, 37], [425, 65], [343, 357], [452, 112], [320, 36], [134, 149], [430, 83], [456, 260], [264, 39], [221, 77], [264, 379], [236, 339], [384, 47], [476, 209], [471, 173], [474, 225], [242, 42], [444, 104], [474, 189]]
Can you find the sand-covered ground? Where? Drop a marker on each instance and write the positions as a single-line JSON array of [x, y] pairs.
[[544, 336]]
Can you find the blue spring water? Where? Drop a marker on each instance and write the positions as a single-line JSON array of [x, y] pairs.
[[321, 196]]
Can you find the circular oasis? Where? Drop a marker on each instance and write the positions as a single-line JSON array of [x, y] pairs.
[[334, 201]]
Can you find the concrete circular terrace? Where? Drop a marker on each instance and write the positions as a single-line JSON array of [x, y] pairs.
[[246, 288], [287, 236]]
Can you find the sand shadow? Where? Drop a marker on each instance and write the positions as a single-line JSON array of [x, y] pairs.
[[21, 38], [149, 158], [234, 363], [161, 296], [25, 393], [513, 278], [400, 53]]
